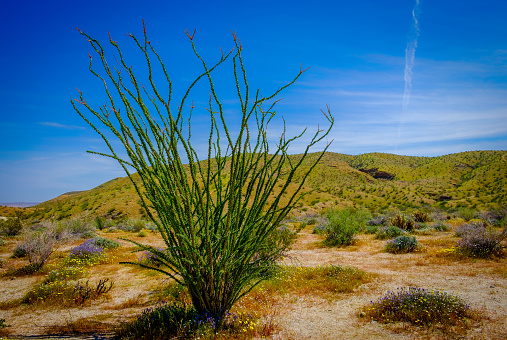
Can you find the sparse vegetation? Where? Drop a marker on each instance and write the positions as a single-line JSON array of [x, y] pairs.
[[388, 232], [402, 244], [344, 225], [421, 307]]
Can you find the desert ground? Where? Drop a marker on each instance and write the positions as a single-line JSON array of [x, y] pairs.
[[480, 282]]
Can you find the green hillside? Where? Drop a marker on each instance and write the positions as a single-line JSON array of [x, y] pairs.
[[476, 179]]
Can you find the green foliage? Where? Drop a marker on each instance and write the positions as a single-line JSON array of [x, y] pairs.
[[62, 292], [105, 242], [216, 216], [420, 307], [181, 321], [142, 233], [440, 226], [467, 213], [388, 232], [319, 229], [10, 227], [317, 280], [401, 244], [19, 252], [421, 216], [77, 227], [371, 229], [402, 222], [344, 225]]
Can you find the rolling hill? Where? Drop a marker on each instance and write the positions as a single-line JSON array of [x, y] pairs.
[[378, 181]]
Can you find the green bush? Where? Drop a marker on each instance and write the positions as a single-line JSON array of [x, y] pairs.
[[19, 252], [401, 244], [440, 226], [388, 232], [344, 225], [402, 222], [11, 227], [420, 307], [421, 216], [105, 242]]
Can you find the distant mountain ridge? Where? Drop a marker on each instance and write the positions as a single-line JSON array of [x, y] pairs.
[[378, 181], [19, 204]]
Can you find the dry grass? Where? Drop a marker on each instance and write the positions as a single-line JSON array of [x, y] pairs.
[[302, 305]]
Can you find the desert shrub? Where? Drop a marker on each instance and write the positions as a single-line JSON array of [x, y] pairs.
[[3, 324], [19, 252], [142, 233], [132, 225], [469, 228], [421, 216], [319, 229], [11, 227], [378, 220], [79, 228], [467, 213], [402, 222], [39, 245], [388, 232], [87, 249], [178, 320], [481, 242], [401, 244], [2, 242], [105, 242], [63, 292], [494, 217], [420, 307], [371, 229], [64, 273], [440, 226], [2, 262], [344, 225]]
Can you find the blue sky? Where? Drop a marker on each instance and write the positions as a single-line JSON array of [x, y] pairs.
[[447, 61]]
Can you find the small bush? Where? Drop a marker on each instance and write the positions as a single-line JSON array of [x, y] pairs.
[[2, 262], [142, 233], [63, 292], [481, 242], [378, 221], [79, 228], [19, 252], [2, 242], [401, 244], [468, 228], [440, 226], [388, 232], [420, 307], [105, 242], [87, 249], [421, 216], [11, 227], [467, 213], [177, 320], [319, 229], [402, 222], [344, 225], [371, 229]]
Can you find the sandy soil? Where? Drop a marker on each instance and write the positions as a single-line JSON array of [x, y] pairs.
[[482, 283]]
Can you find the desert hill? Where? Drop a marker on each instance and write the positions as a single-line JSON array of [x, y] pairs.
[[378, 181]]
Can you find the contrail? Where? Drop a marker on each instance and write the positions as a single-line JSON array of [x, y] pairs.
[[409, 63]]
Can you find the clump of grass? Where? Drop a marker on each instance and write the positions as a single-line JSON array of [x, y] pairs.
[[420, 307], [388, 232], [401, 245], [315, 280], [180, 320], [371, 229]]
